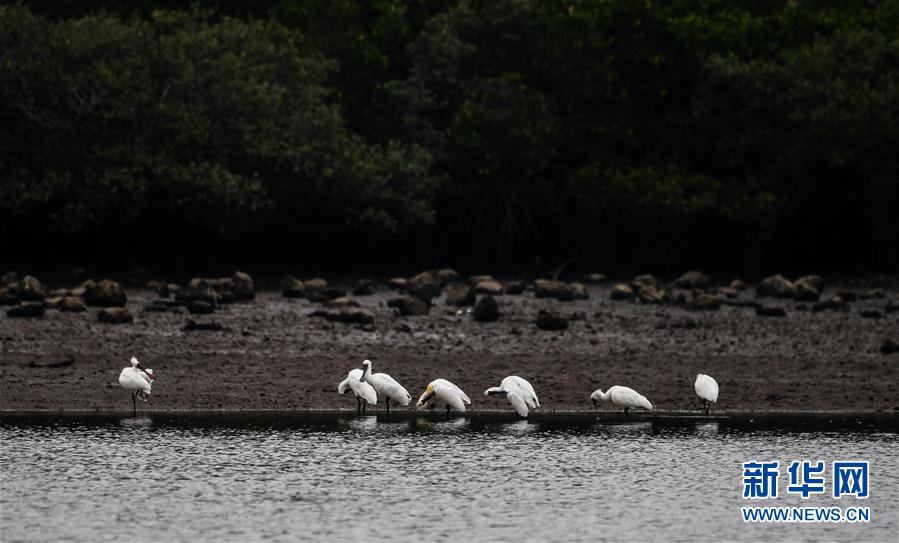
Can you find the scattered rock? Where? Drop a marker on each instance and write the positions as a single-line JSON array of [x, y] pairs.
[[871, 294], [738, 285], [424, 289], [26, 310], [594, 278], [9, 278], [315, 284], [364, 288], [460, 295], [775, 286], [487, 310], [547, 288], [59, 293], [72, 304], [163, 306], [892, 306], [106, 293], [350, 315], [889, 347], [515, 288], [805, 292], [31, 290], [550, 320], [397, 283], [194, 326], [199, 307], [644, 281], [706, 302], [8, 296], [834, 302], [410, 306], [242, 286], [324, 295], [579, 291], [492, 288], [651, 295], [343, 301], [475, 279], [446, 275], [67, 361], [622, 292], [692, 280], [814, 281], [847, 295], [870, 314], [114, 315], [291, 287], [765, 311], [727, 292]]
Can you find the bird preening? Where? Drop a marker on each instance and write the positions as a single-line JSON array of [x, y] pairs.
[[518, 391], [138, 380], [707, 389], [442, 393], [625, 397], [368, 386]]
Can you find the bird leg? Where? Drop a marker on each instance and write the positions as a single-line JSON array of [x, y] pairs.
[[707, 405], [387, 401], [358, 407], [625, 413], [364, 402], [133, 403], [447, 411]]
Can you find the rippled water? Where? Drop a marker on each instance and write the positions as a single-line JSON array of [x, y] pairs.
[[328, 477]]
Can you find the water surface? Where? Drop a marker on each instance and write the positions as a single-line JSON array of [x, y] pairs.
[[285, 477]]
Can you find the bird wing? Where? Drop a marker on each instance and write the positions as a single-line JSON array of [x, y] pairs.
[[628, 397], [363, 390], [527, 391], [387, 386], [131, 380], [344, 386], [451, 386], [706, 388], [451, 395], [518, 402]]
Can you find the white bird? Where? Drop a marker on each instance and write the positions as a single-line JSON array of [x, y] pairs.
[[622, 397], [355, 381], [385, 386], [707, 389], [519, 392], [138, 380], [441, 392]]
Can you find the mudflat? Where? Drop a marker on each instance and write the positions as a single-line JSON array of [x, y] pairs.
[[274, 354]]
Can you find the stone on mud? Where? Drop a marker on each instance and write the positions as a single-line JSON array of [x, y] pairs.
[[621, 292], [775, 286], [26, 310], [114, 315], [106, 293], [486, 310], [550, 320]]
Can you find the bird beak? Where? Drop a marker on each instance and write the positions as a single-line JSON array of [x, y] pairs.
[[362, 379]]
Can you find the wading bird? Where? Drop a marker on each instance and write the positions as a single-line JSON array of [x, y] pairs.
[[355, 381], [138, 380], [519, 392], [622, 397], [707, 389], [441, 392], [385, 386]]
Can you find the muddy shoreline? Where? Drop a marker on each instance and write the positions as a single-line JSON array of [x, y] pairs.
[[273, 355]]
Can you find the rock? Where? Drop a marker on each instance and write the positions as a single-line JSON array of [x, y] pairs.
[[423, 277], [446, 275], [550, 320], [198, 291], [475, 279], [53, 302], [291, 287], [350, 315], [847, 295], [397, 283], [9, 278], [621, 292], [594, 278], [26, 310], [775, 286], [364, 288], [870, 314], [163, 306], [8, 296], [194, 326], [706, 302], [242, 286], [492, 288], [114, 315], [644, 281], [579, 291], [889, 347], [226, 297], [871, 294], [163, 290], [410, 306], [424, 290], [738, 285], [727, 292], [651, 295], [315, 284], [343, 301], [834, 302], [460, 295], [692, 280], [547, 288], [59, 293], [515, 288], [106, 293], [199, 307], [31, 290], [814, 281], [892, 306], [486, 310], [72, 304], [78, 291], [765, 311], [804, 292]]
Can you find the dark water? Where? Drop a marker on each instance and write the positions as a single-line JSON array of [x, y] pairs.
[[338, 477]]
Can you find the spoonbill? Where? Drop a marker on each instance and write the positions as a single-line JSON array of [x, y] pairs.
[[355, 381], [622, 397], [138, 380], [519, 392], [707, 389], [385, 386], [442, 392]]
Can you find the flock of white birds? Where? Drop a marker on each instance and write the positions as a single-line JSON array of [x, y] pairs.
[[367, 387]]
